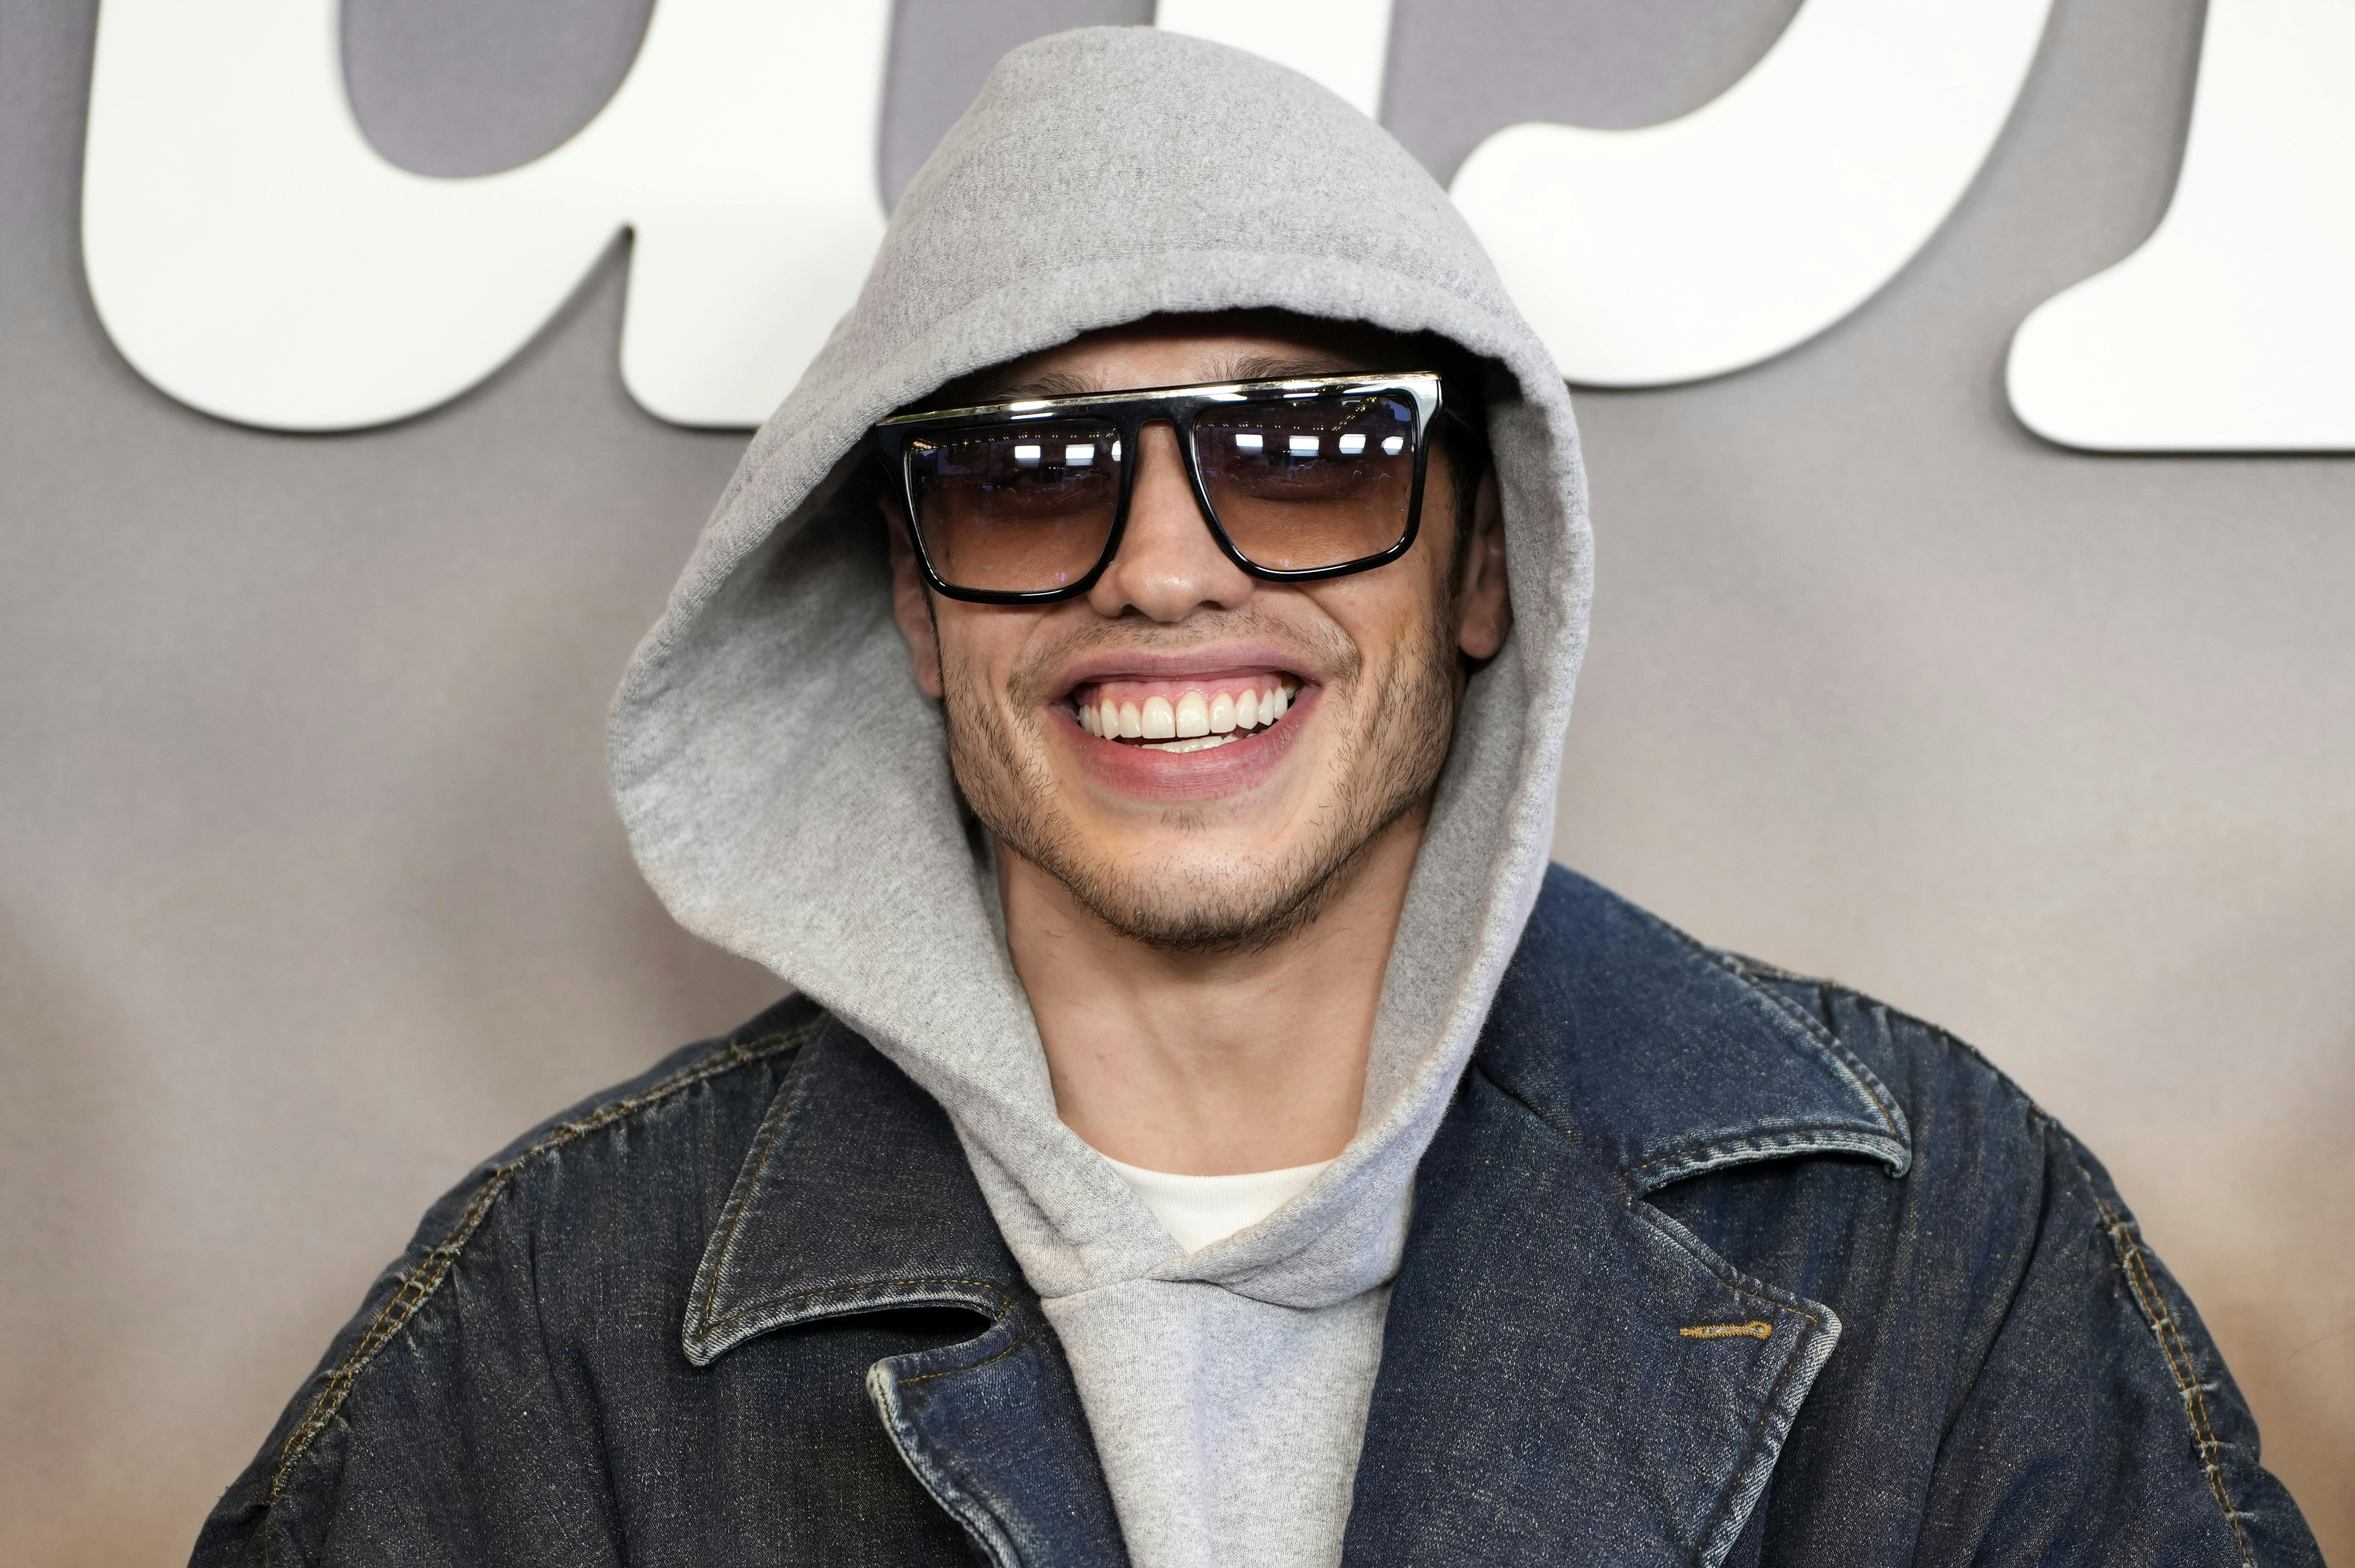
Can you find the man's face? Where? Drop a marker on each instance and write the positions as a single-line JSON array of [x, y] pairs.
[[1231, 839]]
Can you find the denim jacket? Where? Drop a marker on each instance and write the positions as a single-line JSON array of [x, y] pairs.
[[1709, 1264]]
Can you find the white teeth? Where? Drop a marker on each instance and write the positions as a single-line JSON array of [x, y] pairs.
[[1194, 722], [1202, 744]]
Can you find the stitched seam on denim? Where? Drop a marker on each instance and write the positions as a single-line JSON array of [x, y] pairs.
[[1664, 1227], [1942, 1035], [1668, 1230], [775, 1301], [771, 1130], [1765, 971], [1764, 1143], [960, 1502], [2036, 1113], [1884, 1105], [1750, 1449], [1027, 1334], [2153, 1304], [772, 1134], [401, 1309]]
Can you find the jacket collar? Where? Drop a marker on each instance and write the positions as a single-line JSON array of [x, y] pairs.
[[1667, 1058], [1639, 1384], [856, 1197]]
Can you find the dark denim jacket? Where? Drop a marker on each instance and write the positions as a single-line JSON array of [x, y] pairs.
[[1709, 1264]]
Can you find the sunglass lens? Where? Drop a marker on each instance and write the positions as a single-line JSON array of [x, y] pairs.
[[1017, 510], [1300, 484]]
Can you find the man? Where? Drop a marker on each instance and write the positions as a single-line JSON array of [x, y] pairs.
[[1123, 693]]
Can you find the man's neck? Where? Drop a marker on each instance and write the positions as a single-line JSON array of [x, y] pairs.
[[1211, 1064]]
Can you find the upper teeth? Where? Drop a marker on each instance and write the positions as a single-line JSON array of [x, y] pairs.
[[1194, 714]]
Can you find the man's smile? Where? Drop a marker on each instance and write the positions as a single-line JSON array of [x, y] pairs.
[[1186, 714]]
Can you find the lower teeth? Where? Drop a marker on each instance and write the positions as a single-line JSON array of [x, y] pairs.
[[1196, 743]]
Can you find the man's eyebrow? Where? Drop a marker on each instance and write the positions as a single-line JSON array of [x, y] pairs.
[[1284, 367], [1054, 384]]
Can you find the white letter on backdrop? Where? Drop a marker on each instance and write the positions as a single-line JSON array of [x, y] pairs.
[[1718, 240], [2232, 329], [1340, 45], [252, 256]]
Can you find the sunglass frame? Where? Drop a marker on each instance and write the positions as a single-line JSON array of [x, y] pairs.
[[1130, 412]]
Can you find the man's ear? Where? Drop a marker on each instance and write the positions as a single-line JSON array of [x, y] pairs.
[[911, 603], [1484, 605]]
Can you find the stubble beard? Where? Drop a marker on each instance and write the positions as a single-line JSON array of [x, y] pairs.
[[1386, 767]]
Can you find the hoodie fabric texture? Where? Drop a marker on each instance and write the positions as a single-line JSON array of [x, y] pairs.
[[786, 788]]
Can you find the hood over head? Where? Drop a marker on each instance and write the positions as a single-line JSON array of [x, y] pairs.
[[785, 786]]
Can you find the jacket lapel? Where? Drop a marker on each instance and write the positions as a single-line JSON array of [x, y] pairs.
[[1568, 1374], [856, 1197]]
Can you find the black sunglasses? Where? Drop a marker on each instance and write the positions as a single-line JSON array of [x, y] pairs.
[[1305, 478]]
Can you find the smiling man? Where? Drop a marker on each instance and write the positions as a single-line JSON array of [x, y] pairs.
[[1200, 651], [1123, 693]]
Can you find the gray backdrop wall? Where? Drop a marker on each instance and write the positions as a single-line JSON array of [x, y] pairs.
[[310, 894]]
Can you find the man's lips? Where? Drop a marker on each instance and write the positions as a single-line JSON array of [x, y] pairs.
[[1216, 765]]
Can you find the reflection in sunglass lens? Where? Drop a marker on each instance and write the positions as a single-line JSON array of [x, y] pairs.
[[1017, 510], [1304, 483]]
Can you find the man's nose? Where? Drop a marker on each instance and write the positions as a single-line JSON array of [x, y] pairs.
[[1169, 565]]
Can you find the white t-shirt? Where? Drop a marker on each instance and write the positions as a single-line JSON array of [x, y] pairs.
[[1200, 1210]]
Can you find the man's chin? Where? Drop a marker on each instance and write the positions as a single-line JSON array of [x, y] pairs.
[[1217, 896], [1200, 928]]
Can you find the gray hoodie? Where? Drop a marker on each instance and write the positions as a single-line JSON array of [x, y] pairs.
[[786, 789]]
